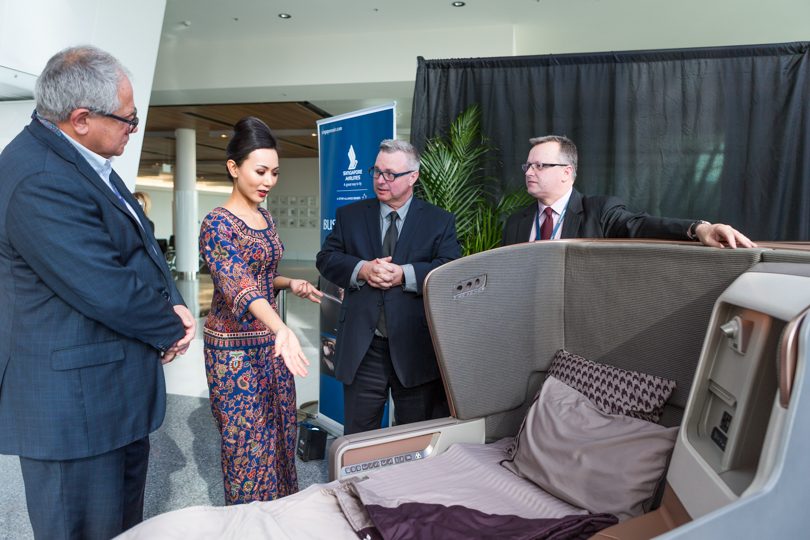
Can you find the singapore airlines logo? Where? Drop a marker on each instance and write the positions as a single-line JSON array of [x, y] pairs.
[[352, 179]]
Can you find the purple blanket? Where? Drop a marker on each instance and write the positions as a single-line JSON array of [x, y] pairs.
[[418, 521]]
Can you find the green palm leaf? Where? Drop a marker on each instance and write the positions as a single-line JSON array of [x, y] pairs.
[[452, 177]]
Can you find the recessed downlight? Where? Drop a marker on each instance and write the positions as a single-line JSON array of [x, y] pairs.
[[458, 4], [284, 16]]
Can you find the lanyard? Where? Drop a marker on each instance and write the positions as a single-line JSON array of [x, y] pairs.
[[554, 230]]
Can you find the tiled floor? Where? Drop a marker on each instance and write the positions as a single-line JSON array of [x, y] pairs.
[[184, 465]]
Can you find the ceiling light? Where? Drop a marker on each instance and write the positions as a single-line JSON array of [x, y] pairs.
[[458, 4], [284, 16]]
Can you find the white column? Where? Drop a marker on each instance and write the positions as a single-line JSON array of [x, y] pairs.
[[186, 229]]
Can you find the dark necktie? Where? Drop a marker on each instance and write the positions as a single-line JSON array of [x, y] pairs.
[[390, 240], [548, 224], [120, 197], [388, 244]]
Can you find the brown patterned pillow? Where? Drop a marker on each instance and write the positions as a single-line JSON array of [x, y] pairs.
[[613, 390]]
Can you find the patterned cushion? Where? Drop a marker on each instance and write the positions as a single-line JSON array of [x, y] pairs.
[[613, 390]]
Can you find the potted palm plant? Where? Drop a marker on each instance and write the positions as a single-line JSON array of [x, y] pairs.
[[452, 177]]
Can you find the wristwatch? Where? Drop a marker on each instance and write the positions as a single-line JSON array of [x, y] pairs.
[[691, 231]]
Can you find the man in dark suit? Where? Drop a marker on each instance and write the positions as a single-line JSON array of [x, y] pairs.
[[89, 306], [562, 212], [380, 251]]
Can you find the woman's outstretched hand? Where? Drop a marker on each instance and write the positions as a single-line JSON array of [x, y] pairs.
[[289, 349]]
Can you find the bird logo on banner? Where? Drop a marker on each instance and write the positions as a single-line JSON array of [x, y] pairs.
[[352, 158]]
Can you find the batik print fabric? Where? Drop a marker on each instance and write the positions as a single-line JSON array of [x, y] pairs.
[[252, 394]]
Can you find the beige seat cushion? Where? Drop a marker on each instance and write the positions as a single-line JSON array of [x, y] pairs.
[[605, 463]]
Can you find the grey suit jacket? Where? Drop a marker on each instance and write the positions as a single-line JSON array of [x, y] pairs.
[[86, 306]]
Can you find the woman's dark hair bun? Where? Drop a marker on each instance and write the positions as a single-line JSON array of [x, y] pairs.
[[249, 134]]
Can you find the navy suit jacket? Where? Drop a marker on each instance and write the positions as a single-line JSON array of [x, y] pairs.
[[602, 216], [427, 240], [85, 306]]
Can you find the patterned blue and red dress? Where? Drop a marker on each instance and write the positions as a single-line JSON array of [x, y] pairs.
[[252, 393]]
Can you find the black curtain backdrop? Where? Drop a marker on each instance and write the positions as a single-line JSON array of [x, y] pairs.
[[720, 133]]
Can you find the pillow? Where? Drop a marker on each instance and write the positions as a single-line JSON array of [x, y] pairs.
[[613, 390], [605, 463]]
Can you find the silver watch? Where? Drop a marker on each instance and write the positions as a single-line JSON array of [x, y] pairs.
[[692, 230]]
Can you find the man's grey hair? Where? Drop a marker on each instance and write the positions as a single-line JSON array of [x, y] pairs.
[[568, 150], [389, 146], [79, 77]]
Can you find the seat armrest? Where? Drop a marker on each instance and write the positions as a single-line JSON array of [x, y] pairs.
[[670, 515], [359, 453]]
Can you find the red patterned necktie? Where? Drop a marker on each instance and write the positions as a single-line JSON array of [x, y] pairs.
[[548, 224]]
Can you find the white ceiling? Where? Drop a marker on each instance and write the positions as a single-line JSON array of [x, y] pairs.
[[338, 17], [189, 21]]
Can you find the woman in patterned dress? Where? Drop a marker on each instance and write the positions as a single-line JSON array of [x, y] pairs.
[[250, 354]]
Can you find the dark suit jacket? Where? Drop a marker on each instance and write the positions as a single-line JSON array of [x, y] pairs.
[[85, 307], [601, 216], [427, 240]]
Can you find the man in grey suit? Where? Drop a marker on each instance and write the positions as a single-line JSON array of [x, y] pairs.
[[90, 309], [563, 212]]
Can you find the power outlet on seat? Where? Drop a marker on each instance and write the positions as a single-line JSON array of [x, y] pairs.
[[470, 286]]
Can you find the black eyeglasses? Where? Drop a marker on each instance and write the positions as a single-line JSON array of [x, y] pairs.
[[540, 166], [131, 122], [387, 175]]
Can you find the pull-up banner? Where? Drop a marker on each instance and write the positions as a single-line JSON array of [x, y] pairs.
[[348, 146]]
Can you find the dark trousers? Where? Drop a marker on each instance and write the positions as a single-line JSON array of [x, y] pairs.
[[364, 399], [90, 498]]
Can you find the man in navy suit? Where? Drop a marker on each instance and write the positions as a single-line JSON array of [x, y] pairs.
[[563, 212], [380, 251], [89, 307]]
